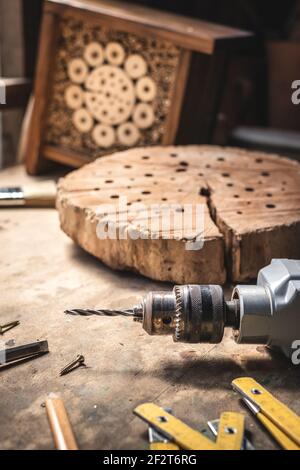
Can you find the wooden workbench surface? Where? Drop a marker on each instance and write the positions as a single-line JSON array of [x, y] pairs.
[[42, 273]]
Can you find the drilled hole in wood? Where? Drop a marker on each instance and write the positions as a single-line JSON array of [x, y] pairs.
[[259, 160], [109, 181], [239, 212], [249, 190], [145, 157], [200, 174], [226, 175], [269, 195], [127, 167], [96, 189], [204, 192], [184, 163], [230, 185], [270, 206], [236, 196], [265, 173], [114, 196], [146, 193], [164, 199], [207, 166], [180, 170], [221, 159], [149, 175], [173, 155]]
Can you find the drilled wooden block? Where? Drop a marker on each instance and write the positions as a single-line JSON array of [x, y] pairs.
[[111, 90], [251, 209]]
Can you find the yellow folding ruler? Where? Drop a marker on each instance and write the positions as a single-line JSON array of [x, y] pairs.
[[230, 435], [278, 419], [231, 431]]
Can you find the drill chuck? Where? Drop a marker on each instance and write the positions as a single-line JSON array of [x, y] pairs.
[[192, 313], [267, 313]]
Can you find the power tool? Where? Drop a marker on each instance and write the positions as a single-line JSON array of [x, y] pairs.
[[267, 313]]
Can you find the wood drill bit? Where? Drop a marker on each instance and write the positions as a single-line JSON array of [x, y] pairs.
[[131, 312]]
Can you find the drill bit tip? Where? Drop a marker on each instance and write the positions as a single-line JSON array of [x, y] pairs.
[[102, 313]]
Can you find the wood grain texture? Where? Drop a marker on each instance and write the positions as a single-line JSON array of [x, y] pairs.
[[251, 201], [41, 94], [60, 424]]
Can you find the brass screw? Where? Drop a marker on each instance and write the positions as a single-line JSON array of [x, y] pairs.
[[79, 361]]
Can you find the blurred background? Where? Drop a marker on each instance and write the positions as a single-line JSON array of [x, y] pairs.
[[256, 110]]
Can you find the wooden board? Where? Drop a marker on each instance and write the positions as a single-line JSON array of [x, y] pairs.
[[251, 209]]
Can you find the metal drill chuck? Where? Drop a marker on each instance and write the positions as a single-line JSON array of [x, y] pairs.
[[192, 314], [268, 313]]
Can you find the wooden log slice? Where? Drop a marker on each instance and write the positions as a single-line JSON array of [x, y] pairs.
[[250, 200]]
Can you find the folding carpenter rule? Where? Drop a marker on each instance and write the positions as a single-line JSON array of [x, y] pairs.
[[230, 435], [282, 423]]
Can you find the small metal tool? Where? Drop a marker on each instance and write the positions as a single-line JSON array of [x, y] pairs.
[[131, 312], [23, 352], [41, 194], [11, 196], [8, 326], [79, 361]]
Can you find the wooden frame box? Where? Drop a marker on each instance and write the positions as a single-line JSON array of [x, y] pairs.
[[112, 76]]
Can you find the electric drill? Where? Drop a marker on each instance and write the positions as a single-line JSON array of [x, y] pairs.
[[266, 313]]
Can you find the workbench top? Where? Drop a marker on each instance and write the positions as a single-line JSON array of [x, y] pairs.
[[42, 274]]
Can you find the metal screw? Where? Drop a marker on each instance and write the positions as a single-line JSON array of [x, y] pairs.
[[8, 326], [79, 361]]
